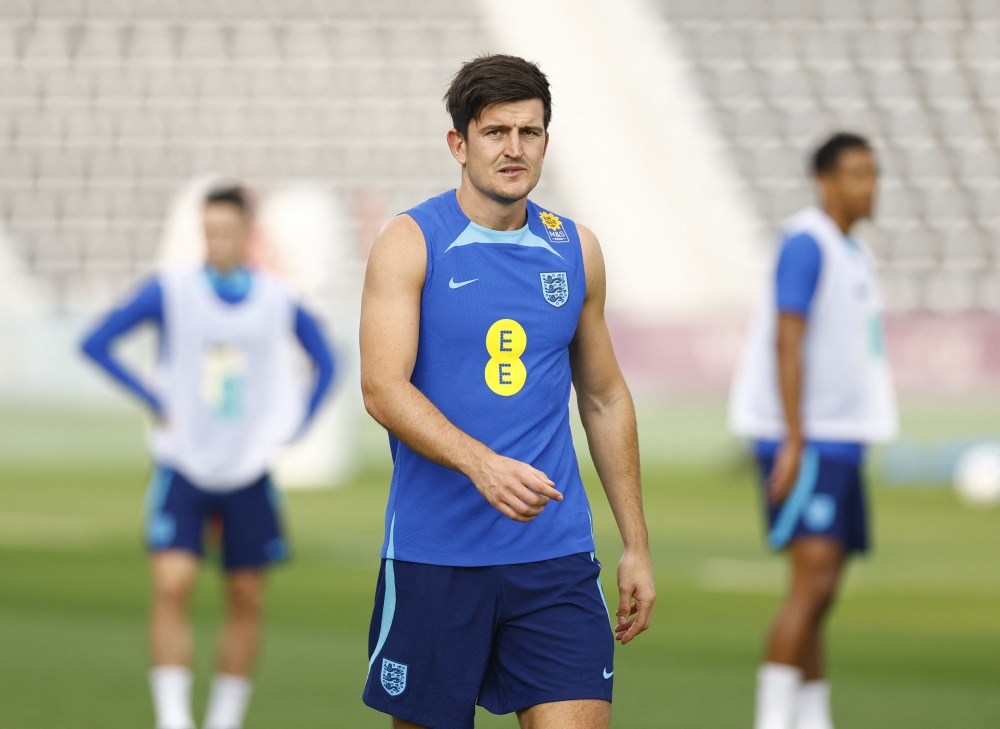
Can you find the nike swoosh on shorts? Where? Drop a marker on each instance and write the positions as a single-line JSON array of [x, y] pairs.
[[608, 675]]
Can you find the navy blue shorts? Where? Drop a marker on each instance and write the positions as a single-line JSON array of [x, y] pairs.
[[178, 514], [507, 637], [828, 500]]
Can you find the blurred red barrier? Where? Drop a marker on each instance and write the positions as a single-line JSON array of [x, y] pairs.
[[931, 353]]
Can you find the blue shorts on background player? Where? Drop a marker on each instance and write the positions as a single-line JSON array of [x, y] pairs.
[[177, 513], [827, 500]]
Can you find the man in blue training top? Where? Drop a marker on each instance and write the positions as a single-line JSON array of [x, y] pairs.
[[480, 310], [226, 401], [813, 389]]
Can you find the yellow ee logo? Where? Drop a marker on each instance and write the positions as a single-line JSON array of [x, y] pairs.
[[505, 372]]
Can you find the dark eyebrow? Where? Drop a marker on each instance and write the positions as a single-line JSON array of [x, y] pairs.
[[507, 128]]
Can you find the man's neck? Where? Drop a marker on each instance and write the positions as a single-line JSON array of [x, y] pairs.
[[223, 270], [231, 285], [840, 219], [489, 213]]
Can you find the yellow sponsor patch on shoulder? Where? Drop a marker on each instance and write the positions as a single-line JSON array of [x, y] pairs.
[[554, 227]]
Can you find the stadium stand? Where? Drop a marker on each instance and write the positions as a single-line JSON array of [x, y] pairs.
[[920, 77], [109, 107]]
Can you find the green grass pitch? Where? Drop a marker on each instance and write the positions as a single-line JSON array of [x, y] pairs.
[[914, 640]]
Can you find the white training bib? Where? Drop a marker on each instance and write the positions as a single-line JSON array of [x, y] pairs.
[[847, 390], [227, 380]]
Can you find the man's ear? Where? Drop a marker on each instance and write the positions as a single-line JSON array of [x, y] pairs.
[[458, 146], [822, 187]]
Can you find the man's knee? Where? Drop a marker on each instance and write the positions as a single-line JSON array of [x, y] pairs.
[[174, 576], [818, 564], [245, 593], [822, 591]]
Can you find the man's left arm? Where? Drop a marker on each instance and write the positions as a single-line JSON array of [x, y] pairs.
[[310, 335], [608, 417]]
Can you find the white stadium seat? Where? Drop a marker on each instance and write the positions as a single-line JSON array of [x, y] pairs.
[[920, 77], [109, 106]]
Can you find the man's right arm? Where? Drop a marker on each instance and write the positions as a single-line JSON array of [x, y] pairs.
[[797, 277], [146, 305], [791, 332], [390, 328]]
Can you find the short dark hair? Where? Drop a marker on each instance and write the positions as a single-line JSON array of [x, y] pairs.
[[827, 155], [492, 79], [231, 195]]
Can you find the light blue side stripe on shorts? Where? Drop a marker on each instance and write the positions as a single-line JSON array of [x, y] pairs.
[[156, 522], [593, 558], [600, 587], [389, 603], [797, 501]]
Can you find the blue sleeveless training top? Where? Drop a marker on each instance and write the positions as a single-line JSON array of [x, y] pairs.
[[497, 314]]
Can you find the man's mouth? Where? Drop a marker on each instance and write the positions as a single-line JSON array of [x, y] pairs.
[[511, 171]]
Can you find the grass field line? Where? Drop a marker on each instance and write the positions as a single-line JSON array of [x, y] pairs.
[[59, 531]]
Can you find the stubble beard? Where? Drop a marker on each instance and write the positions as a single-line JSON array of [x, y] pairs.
[[495, 193]]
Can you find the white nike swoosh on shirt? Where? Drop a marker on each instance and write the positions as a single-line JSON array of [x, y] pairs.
[[608, 675], [460, 284]]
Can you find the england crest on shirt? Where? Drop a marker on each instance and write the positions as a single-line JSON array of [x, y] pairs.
[[393, 677], [555, 287]]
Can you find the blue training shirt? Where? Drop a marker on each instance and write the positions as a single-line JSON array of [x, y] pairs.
[[497, 314], [147, 306], [796, 278]]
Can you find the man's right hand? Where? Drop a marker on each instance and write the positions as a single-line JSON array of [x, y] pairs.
[[513, 488], [785, 471]]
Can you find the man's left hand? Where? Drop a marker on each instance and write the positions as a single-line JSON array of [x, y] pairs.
[[638, 593]]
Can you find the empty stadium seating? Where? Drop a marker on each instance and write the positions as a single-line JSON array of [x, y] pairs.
[[108, 106], [920, 77]]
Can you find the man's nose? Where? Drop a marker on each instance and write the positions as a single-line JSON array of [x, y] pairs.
[[514, 145]]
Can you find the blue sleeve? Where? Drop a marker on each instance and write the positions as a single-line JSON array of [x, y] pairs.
[[145, 306], [310, 336], [798, 272]]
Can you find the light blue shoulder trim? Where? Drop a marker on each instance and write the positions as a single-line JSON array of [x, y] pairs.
[[389, 603], [478, 234], [795, 504]]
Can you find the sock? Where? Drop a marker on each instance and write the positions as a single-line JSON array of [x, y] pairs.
[[814, 706], [171, 688], [777, 695], [228, 702]]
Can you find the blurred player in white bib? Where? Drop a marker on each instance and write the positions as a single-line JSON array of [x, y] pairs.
[[813, 389], [226, 401]]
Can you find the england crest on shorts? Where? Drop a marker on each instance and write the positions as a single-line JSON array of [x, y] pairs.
[[393, 677], [555, 287]]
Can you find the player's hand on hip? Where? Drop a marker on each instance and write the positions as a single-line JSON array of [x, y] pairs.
[[637, 593], [513, 488], [785, 471]]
